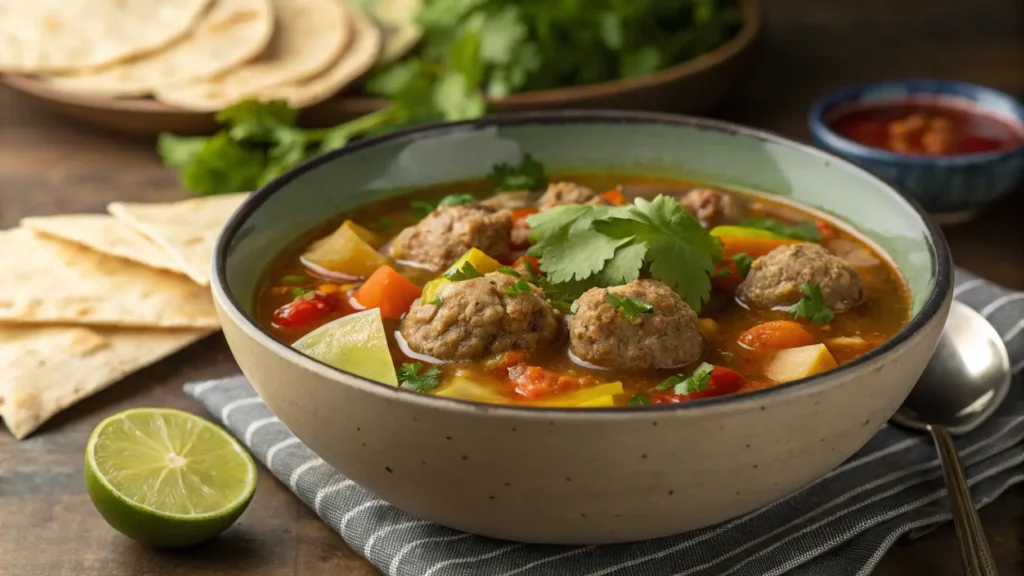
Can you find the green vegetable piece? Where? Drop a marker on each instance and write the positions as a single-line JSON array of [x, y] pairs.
[[804, 230], [528, 175], [639, 399], [743, 263], [300, 291], [744, 232], [457, 200], [437, 301], [410, 377], [510, 271], [466, 272], [629, 307], [811, 305], [294, 279], [519, 287], [695, 382]]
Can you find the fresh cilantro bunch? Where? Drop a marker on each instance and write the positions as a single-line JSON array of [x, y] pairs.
[[583, 246]]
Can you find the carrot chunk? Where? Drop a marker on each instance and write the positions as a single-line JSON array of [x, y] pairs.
[[776, 335], [388, 290], [614, 197]]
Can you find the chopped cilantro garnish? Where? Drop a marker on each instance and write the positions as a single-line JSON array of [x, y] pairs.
[[743, 262], [300, 291], [629, 307], [437, 301], [294, 279], [423, 208], [804, 230], [695, 382], [530, 272], [466, 272], [519, 287], [384, 224], [410, 377], [528, 175], [510, 271], [640, 399], [586, 246], [812, 305]]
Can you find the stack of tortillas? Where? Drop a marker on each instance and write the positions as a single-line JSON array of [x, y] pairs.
[[88, 299], [204, 55]]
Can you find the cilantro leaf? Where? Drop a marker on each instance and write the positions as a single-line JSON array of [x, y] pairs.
[[274, 112], [222, 165], [457, 200], [743, 263], [804, 230], [410, 377], [562, 306], [811, 305], [437, 301], [528, 175], [695, 382], [629, 307], [466, 272], [624, 266], [519, 287], [679, 252], [510, 271], [178, 150], [639, 399]]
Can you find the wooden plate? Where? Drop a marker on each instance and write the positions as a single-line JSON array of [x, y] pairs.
[[694, 87]]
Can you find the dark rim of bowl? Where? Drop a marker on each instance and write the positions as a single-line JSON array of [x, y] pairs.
[[940, 256], [847, 94]]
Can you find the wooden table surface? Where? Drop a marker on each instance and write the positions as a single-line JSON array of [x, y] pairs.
[[49, 527]]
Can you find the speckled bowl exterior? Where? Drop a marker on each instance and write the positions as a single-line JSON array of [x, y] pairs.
[[948, 185], [580, 476]]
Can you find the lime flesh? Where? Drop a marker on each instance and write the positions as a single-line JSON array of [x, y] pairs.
[[355, 343], [167, 478]]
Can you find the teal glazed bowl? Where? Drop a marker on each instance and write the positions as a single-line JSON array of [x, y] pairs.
[[580, 476], [953, 188]]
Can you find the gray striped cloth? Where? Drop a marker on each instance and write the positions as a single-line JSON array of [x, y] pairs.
[[840, 525]]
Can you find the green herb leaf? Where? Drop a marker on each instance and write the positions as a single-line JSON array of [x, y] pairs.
[[410, 377], [562, 306], [640, 399], [530, 272], [457, 200], [811, 305], [300, 291], [804, 230], [528, 175], [466, 272], [743, 263], [519, 287], [252, 111], [695, 382], [437, 301], [629, 307], [294, 279], [510, 271], [178, 150], [223, 165]]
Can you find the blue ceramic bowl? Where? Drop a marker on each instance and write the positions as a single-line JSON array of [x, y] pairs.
[[950, 186]]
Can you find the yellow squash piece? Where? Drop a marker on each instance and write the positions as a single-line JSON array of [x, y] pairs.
[[483, 263], [797, 363], [463, 388], [579, 398], [602, 402], [347, 252], [369, 237]]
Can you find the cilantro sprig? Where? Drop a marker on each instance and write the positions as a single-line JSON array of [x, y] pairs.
[[812, 305], [465, 272], [697, 381], [582, 246], [804, 230], [410, 377], [629, 307], [743, 262], [521, 286]]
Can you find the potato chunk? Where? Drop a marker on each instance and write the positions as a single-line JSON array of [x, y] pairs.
[[796, 363]]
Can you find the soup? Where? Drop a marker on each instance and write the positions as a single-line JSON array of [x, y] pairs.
[[927, 128], [588, 291]]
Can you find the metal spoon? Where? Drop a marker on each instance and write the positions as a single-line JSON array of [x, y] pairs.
[[964, 383]]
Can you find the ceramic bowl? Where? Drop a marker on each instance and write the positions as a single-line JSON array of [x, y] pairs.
[[580, 476], [953, 188]]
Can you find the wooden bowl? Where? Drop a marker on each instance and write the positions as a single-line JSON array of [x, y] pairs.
[[694, 87]]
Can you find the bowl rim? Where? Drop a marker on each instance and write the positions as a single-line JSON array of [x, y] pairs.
[[849, 93], [941, 260], [748, 31]]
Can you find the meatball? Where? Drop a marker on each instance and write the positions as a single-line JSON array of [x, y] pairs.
[[562, 193], [712, 207], [448, 232], [667, 337], [775, 278], [477, 318]]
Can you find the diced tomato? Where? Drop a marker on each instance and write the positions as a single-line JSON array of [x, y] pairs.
[[535, 382], [503, 362], [726, 283], [826, 230], [520, 216], [306, 309], [614, 197], [723, 381]]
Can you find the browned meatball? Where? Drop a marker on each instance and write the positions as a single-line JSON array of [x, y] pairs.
[[712, 207], [477, 318], [775, 278], [442, 237], [665, 338], [562, 193]]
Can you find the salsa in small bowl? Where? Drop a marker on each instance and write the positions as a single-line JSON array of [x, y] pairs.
[[952, 146]]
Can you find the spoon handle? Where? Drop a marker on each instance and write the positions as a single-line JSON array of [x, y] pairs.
[[974, 549]]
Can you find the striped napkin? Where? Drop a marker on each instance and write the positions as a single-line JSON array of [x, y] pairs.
[[840, 525]]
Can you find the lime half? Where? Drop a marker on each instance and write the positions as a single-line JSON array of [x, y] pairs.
[[167, 478], [355, 343]]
